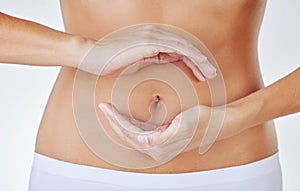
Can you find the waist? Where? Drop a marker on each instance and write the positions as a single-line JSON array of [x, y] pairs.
[[59, 137]]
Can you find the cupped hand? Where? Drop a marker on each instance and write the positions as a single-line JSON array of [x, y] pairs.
[[185, 132], [141, 45]]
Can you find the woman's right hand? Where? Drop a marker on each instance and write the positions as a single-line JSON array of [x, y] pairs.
[[142, 45], [189, 130]]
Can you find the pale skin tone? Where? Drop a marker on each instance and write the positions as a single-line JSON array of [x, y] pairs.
[[249, 105]]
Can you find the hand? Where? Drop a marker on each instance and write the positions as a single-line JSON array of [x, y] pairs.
[[142, 45], [185, 132]]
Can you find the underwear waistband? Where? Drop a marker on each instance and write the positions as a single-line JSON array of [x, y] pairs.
[[146, 180]]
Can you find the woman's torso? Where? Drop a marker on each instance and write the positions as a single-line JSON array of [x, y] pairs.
[[229, 29]]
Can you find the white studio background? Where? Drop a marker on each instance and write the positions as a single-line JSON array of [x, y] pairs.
[[24, 90]]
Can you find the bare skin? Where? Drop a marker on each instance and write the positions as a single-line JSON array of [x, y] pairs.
[[230, 32], [231, 40]]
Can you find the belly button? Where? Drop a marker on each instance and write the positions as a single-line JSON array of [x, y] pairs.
[[158, 111], [157, 100]]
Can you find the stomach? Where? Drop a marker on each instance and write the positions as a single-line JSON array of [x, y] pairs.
[[229, 31], [59, 137]]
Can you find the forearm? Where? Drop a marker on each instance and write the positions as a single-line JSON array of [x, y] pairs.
[[279, 99], [26, 42]]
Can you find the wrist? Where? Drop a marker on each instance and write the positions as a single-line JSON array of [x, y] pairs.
[[231, 121], [76, 48], [239, 116]]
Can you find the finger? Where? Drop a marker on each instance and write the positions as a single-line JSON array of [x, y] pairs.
[[203, 65], [126, 130], [164, 133], [139, 65], [120, 124], [168, 57], [181, 127], [152, 59], [135, 54], [156, 137], [161, 58], [147, 51], [147, 139], [141, 139], [198, 74], [105, 108], [207, 69], [146, 126], [175, 55], [114, 116]]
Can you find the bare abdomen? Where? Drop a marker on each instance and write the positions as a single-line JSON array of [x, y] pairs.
[[59, 137]]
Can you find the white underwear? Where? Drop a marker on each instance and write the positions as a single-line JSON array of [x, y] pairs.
[[53, 175]]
